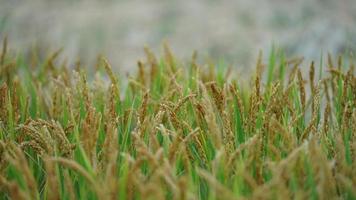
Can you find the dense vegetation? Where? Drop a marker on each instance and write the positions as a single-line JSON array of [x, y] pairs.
[[176, 131]]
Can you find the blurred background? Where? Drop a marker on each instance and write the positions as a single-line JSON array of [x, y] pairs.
[[230, 30]]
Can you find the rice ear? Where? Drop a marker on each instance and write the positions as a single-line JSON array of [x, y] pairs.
[[80, 170], [17, 158], [220, 189], [53, 192]]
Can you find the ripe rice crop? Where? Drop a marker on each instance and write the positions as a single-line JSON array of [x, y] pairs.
[[176, 130]]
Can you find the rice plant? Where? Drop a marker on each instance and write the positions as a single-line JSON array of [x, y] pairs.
[[176, 130]]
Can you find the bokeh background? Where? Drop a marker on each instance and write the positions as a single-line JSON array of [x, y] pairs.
[[230, 30]]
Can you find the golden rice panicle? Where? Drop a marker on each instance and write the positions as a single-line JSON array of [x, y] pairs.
[[56, 106], [240, 105], [288, 138], [255, 101], [250, 142], [60, 136], [3, 102], [199, 111], [322, 169], [353, 137], [39, 138], [199, 141], [312, 76], [182, 101], [258, 87], [3, 51], [177, 124], [353, 89], [301, 89], [49, 63], [70, 103], [218, 96], [52, 181], [68, 184], [193, 64], [84, 90], [110, 146], [210, 118], [65, 76], [293, 72], [3, 161], [183, 187], [178, 145], [157, 119], [73, 165], [169, 58], [330, 61], [110, 151], [346, 118], [259, 65], [316, 101], [229, 137], [326, 89], [16, 157], [174, 147], [287, 100], [238, 97], [347, 83], [219, 189], [257, 158], [111, 180], [112, 77], [16, 192], [141, 76], [15, 101], [90, 133], [327, 117], [152, 62], [130, 186], [144, 107], [310, 128], [339, 62], [111, 113]]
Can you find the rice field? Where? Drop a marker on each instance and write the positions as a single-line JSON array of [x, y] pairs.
[[177, 129]]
